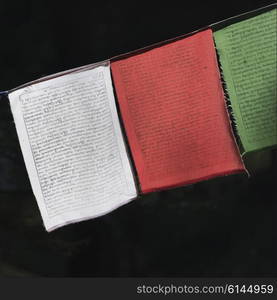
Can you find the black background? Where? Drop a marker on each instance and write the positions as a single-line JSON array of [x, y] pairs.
[[221, 227]]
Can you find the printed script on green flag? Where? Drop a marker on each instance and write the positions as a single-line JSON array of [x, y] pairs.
[[247, 53]]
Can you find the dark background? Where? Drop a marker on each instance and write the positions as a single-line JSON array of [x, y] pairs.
[[221, 227]]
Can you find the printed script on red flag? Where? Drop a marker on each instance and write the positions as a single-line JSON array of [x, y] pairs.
[[173, 109]]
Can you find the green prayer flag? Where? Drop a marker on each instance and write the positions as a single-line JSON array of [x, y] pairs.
[[247, 54]]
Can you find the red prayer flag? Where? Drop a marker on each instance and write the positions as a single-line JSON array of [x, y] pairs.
[[173, 109]]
